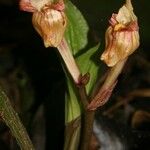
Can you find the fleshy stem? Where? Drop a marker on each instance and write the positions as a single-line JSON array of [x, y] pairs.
[[101, 97], [86, 129], [87, 118], [80, 81], [11, 118]]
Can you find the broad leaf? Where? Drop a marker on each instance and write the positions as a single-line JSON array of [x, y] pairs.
[[77, 29], [87, 63], [76, 36]]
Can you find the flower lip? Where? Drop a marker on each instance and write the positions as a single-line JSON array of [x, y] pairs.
[[118, 26], [133, 26]]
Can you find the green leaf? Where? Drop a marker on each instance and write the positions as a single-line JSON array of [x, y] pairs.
[[88, 63], [76, 36], [77, 29], [72, 105]]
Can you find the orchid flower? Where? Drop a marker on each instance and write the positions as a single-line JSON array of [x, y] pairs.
[[122, 36], [50, 21], [122, 39]]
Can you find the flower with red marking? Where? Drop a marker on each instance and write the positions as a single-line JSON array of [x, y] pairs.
[[49, 19], [122, 36], [50, 24]]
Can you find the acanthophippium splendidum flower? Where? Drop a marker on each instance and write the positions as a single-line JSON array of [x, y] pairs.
[[50, 21], [122, 39], [122, 36]]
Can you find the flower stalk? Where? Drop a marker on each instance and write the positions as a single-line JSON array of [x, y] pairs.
[[69, 60], [109, 84]]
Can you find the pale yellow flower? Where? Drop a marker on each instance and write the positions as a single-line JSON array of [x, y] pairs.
[[122, 36], [49, 19], [50, 24]]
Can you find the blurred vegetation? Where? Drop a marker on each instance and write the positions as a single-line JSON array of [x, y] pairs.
[[33, 78]]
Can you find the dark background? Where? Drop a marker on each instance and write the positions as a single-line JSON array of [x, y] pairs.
[[33, 78]]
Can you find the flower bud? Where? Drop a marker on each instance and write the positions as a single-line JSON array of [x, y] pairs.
[[50, 24], [121, 37]]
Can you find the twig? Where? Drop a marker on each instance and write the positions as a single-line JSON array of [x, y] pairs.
[[12, 120]]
